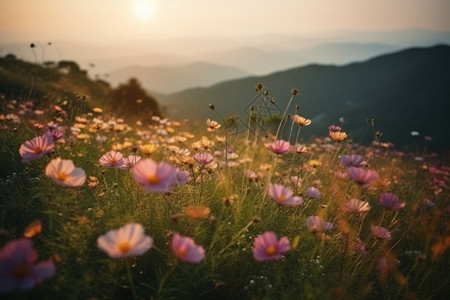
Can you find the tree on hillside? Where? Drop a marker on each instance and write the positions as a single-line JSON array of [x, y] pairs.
[[131, 99]]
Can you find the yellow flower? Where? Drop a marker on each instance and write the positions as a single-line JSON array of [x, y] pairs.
[[147, 149], [301, 121], [212, 125], [97, 110], [338, 136]]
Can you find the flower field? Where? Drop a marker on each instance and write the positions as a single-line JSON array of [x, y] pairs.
[[95, 207]]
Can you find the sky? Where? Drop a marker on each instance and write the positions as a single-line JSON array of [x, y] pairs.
[[116, 21]]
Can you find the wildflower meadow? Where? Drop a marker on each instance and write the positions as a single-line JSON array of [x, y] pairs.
[[95, 206]]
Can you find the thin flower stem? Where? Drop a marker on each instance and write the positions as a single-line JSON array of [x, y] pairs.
[[166, 277], [284, 115], [130, 279], [168, 203], [235, 237]]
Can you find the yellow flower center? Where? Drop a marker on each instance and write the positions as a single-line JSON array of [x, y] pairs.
[[181, 252], [281, 198], [62, 176], [20, 271], [271, 250], [124, 247], [153, 178]]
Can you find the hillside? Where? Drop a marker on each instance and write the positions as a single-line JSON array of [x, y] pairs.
[[64, 82], [404, 91]]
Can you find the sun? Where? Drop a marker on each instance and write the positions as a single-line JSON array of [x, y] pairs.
[[144, 9]]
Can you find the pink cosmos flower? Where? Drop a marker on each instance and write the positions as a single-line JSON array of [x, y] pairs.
[[129, 240], [313, 192], [181, 176], [353, 160], [361, 176], [111, 159], [280, 147], [356, 206], [251, 175], [204, 158], [283, 195], [64, 173], [129, 162], [18, 270], [316, 224], [267, 246], [381, 232], [155, 177], [36, 148], [391, 201], [185, 249]]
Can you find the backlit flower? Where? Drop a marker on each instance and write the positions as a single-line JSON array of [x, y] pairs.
[[155, 177], [129, 162], [111, 159], [280, 147], [391, 201], [185, 249], [212, 125], [337, 136], [267, 246], [197, 211], [36, 148], [301, 121], [64, 173], [129, 240], [147, 149], [18, 270], [353, 160], [204, 158], [381, 232], [361, 176], [283, 195], [356, 206]]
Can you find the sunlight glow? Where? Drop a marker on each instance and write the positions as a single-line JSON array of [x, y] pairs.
[[144, 9]]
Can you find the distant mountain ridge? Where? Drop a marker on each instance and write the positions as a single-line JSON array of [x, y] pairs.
[[404, 91], [166, 79]]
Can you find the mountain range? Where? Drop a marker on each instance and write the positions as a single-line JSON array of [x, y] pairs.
[[404, 91], [171, 65]]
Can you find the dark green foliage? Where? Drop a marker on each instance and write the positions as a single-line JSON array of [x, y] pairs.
[[126, 97]]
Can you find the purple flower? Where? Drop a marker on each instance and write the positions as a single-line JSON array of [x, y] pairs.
[[280, 147], [316, 224], [313, 192], [381, 232], [283, 195], [334, 128], [18, 270], [185, 249], [353, 160], [267, 246], [391, 201], [361, 176]]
